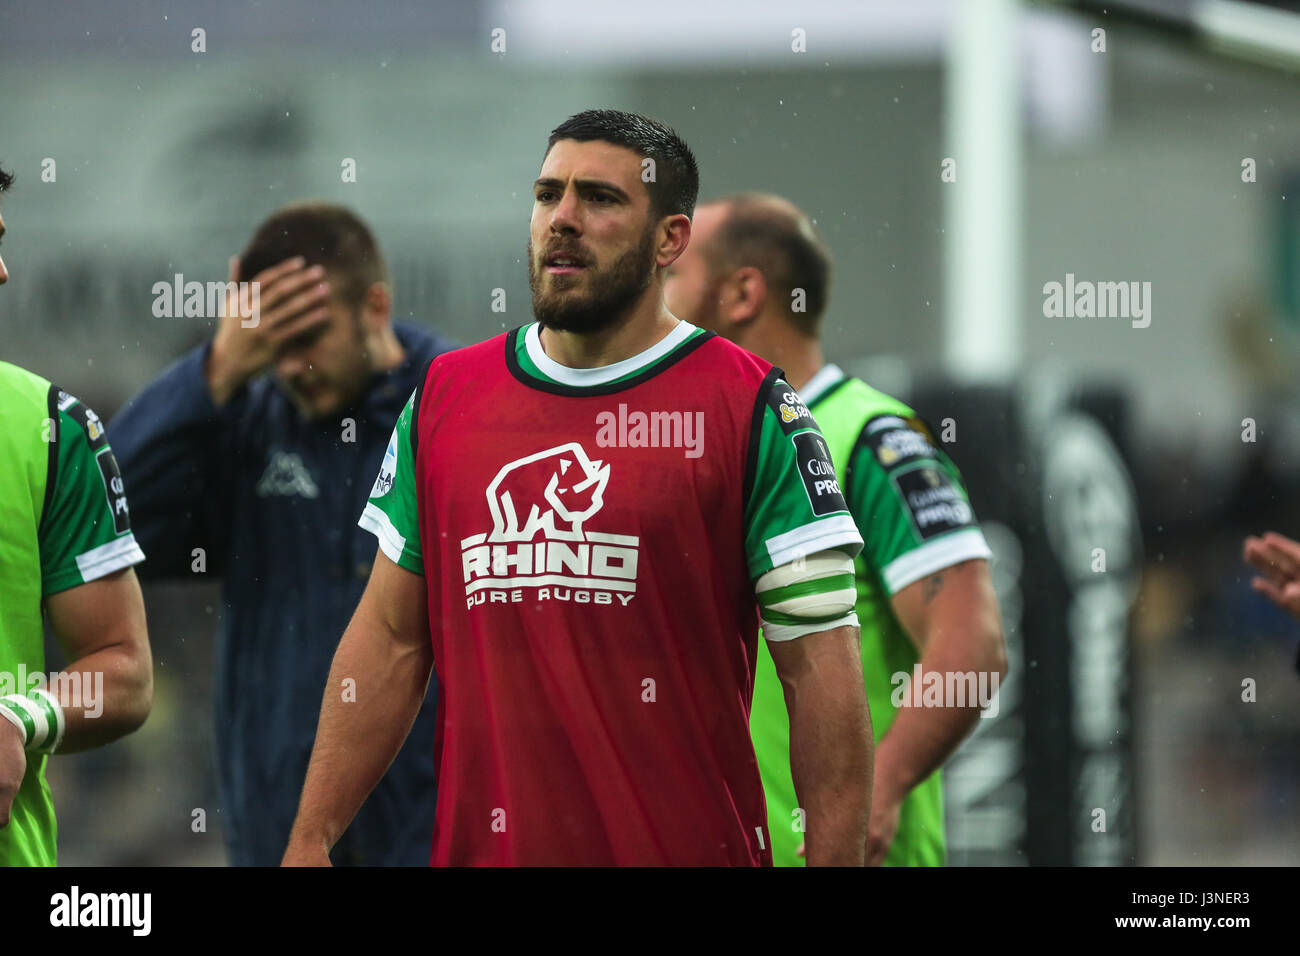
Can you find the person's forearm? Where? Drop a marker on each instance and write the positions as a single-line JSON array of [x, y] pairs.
[[374, 693], [831, 760], [106, 690], [922, 738], [222, 378], [104, 695]]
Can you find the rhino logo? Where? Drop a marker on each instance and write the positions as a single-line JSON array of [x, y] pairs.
[[558, 486]]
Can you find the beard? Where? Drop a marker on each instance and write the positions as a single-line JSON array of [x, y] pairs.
[[322, 393], [610, 294]]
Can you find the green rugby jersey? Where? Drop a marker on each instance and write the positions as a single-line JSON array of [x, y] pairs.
[[63, 522], [907, 498]]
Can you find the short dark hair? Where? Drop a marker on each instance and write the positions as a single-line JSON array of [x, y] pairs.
[[676, 185], [323, 234], [772, 235], [6, 180]]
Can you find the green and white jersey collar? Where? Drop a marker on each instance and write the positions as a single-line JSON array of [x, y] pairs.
[[821, 384], [525, 345]]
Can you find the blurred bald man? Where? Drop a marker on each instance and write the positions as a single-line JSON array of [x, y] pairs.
[[757, 273]]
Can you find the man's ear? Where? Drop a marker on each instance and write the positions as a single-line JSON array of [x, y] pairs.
[[376, 307], [675, 235], [745, 293]]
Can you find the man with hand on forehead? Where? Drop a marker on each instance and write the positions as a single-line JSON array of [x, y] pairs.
[[258, 478]]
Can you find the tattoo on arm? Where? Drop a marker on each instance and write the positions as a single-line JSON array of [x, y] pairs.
[[933, 585]]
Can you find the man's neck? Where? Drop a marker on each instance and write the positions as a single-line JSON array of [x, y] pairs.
[[798, 356], [386, 351], [620, 341], [805, 372]]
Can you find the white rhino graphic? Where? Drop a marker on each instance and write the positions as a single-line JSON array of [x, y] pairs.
[[551, 483]]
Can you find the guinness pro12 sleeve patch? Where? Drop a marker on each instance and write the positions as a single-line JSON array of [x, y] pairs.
[[114, 490], [818, 474], [934, 502], [790, 409], [896, 441]]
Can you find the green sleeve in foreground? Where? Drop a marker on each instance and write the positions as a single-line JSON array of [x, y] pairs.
[[391, 514], [795, 507], [85, 533]]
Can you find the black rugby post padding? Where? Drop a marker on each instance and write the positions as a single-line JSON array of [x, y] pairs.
[[1051, 780]]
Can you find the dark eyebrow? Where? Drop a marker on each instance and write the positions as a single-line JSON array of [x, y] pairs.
[[551, 183]]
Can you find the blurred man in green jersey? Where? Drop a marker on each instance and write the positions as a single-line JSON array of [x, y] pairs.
[[757, 273]]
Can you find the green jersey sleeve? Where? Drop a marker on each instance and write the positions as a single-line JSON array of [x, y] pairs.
[[85, 530], [391, 514], [795, 507], [908, 498]]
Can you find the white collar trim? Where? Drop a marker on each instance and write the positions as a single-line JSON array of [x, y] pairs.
[[816, 386], [605, 373]]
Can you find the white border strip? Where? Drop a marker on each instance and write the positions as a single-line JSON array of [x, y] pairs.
[[391, 541], [114, 556], [933, 556], [821, 535]]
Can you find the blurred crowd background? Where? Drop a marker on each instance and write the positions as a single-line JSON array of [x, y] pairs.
[[1124, 163]]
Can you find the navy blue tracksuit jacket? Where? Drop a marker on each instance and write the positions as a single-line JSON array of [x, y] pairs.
[[273, 501]]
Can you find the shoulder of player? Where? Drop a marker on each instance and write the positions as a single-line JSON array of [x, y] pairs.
[[443, 366], [892, 438], [459, 356], [20, 388], [782, 403], [78, 418], [850, 393], [16, 380], [464, 359], [720, 358], [871, 400]]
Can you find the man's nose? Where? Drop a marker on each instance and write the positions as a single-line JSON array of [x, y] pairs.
[[567, 216], [4, 273], [291, 364]]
